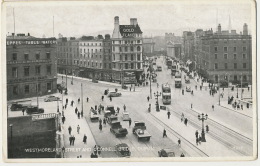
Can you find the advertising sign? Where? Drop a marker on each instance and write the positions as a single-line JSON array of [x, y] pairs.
[[129, 78]]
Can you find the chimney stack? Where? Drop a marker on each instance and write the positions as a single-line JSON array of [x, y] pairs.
[[245, 29], [133, 21], [219, 28]]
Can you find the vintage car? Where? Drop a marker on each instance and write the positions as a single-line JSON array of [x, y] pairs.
[[18, 107], [159, 68], [188, 89], [166, 153], [187, 80], [142, 134], [125, 116], [117, 129], [111, 109], [114, 94], [93, 115], [122, 150], [34, 110], [51, 98]]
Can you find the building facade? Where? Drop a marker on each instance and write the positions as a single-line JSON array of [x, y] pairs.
[[148, 47], [107, 59], [188, 46], [226, 55], [127, 52], [31, 66]]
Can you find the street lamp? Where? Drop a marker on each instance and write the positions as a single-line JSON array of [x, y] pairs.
[[156, 95], [202, 118], [237, 90]]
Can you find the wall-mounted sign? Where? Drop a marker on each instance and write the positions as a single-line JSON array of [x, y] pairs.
[[29, 42]]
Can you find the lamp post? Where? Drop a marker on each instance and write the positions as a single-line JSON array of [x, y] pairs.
[[227, 77], [237, 90], [156, 95], [66, 79], [218, 91], [203, 117], [241, 85], [58, 106]]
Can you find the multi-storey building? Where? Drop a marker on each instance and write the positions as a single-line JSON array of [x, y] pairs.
[[31, 66], [106, 75], [127, 52], [148, 47], [173, 50], [188, 45], [226, 55]]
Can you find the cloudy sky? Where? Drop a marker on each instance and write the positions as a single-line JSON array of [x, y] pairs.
[[76, 19]]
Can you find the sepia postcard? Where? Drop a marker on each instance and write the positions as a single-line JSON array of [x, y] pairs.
[[129, 81]]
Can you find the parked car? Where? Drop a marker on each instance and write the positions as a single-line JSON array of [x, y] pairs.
[[166, 153], [114, 94], [125, 116], [117, 129], [188, 89], [51, 98], [17, 107], [34, 110], [122, 150]]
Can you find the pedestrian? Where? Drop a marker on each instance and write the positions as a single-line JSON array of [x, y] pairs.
[[130, 89], [179, 142], [182, 155], [95, 149], [148, 98], [73, 140], [197, 140], [164, 133], [81, 113], [157, 85], [70, 129], [192, 92], [72, 102], [85, 139], [182, 91], [78, 115], [87, 99], [104, 121], [118, 109], [100, 121], [191, 105], [99, 111], [23, 110], [99, 150], [63, 119], [124, 107], [196, 87], [95, 107], [102, 98], [110, 98], [241, 106], [182, 117], [130, 121], [65, 106], [100, 127], [212, 107], [76, 110], [186, 121], [207, 128], [78, 129], [248, 88], [78, 100], [92, 155], [196, 133], [70, 139], [67, 100], [169, 114]]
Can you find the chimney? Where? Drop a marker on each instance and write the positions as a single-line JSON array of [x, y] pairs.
[[12, 34], [219, 28], [28, 34], [116, 20], [131, 21], [135, 21], [245, 29], [116, 33]]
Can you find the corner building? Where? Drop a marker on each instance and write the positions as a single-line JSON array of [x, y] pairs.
[[126, 52], [31, 66]]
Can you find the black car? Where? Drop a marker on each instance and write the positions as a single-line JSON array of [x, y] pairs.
[[34, 110], [17, 107]]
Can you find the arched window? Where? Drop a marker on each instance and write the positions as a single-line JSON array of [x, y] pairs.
[[138, 48]]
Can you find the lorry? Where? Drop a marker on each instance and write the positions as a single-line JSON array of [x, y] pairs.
[[140, 131], [117, 129]]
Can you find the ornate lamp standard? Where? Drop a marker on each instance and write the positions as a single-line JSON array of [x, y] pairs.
[[202, 118], [157, 94]]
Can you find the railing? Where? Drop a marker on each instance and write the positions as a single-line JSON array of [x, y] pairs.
[[44, 116]]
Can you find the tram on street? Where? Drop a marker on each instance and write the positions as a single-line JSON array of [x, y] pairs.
[[166, 94], [178, 80], [174, 69]]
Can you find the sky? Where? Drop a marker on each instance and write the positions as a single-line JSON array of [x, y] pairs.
[[77, 19]]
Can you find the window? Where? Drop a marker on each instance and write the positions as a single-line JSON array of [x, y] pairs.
[[114, 57], [225, 49], [105, 65], [120, 57], [235, 65], [225, 56], [49, 69], [244, 48], [132, 57], [244, 78], [138, 48], [26, 71], [226, 66], [132, 66], [216, 49], [96, 49], [138, 57], [216, 66], [48, 86], [100, 50], [235, 56], [113, 48], [126, 66], [15, 90], [216, 78], [109, 65], [26, 89], [100, 65], [235, 77], [96, 64], [125, 42], [108, 50], [26, 57], [216, 56], [235, 49], [244, 56], [126, 57], [120, 49], [38, 88], [14, 72], [14, 56], [244, 65], [37, 56], [132, 48], [126, 49], [138, 41], [138, 65]]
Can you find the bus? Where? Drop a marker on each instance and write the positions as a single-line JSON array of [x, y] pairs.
[[178, 80], [166, 94], [174, 69]]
